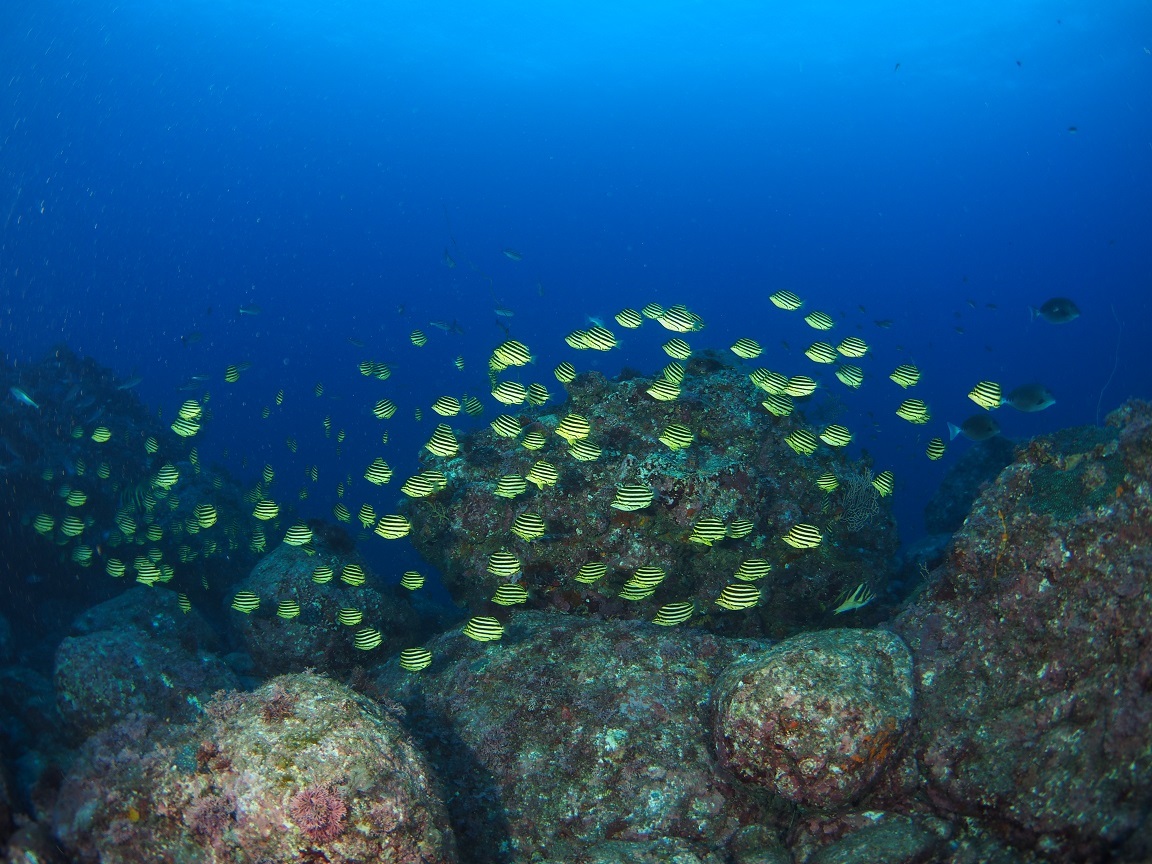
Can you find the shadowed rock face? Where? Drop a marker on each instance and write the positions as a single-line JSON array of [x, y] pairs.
[[953, 499], [316, 639], [739, 467], [136, 653], [1033, 658]]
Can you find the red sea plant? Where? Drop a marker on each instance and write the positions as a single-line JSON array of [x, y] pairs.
[[319, 812]]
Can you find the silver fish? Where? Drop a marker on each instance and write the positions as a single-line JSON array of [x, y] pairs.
[[20, 396]]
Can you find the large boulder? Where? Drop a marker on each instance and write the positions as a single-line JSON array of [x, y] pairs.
[[817, 718], [1033, 658], [302, 769], [572, 732], [136, 653]]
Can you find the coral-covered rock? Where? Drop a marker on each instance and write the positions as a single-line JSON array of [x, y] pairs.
[[738, 467], [302, 769], [316, 639], [32, 843], [104, 676], [817, 718], [1034, 661], [570, 732], [868, 836]]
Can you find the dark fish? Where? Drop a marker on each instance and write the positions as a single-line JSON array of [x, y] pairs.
[[1058, 310], [448, 260], [1031, 398], [250, 309], [513, 255], [883, 323], [978, 427], [192, 338]]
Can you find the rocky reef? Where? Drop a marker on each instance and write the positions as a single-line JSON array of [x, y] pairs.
[[816, 719], [1001, 715], [739, 467], [98, 487]]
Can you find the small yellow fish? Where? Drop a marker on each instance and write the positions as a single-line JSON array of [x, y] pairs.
[[415, 659]]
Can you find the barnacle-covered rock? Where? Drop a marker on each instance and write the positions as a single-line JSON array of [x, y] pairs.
[[818, 717], [302, 769], [739, 467]]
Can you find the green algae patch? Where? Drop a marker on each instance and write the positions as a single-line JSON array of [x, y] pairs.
[[1080, 472]]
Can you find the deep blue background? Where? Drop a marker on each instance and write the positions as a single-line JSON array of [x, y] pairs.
[[163, 164]]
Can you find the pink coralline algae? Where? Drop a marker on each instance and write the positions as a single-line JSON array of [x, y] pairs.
[[818, 717], [211, 816], [319, 812]]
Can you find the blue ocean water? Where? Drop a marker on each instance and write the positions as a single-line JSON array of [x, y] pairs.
[[940, 170]]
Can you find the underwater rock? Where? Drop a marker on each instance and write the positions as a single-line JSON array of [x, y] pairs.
[[738, 467], [102, 495], [1033, 658], [5, 640], [872, 836], [571, 732], [7, 807], [102, 677], [653, 852], [32, 843], [817, 718], [953, 498], [316, 639], [34, 734], [151, 610], [137, 652], [302, 769]]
